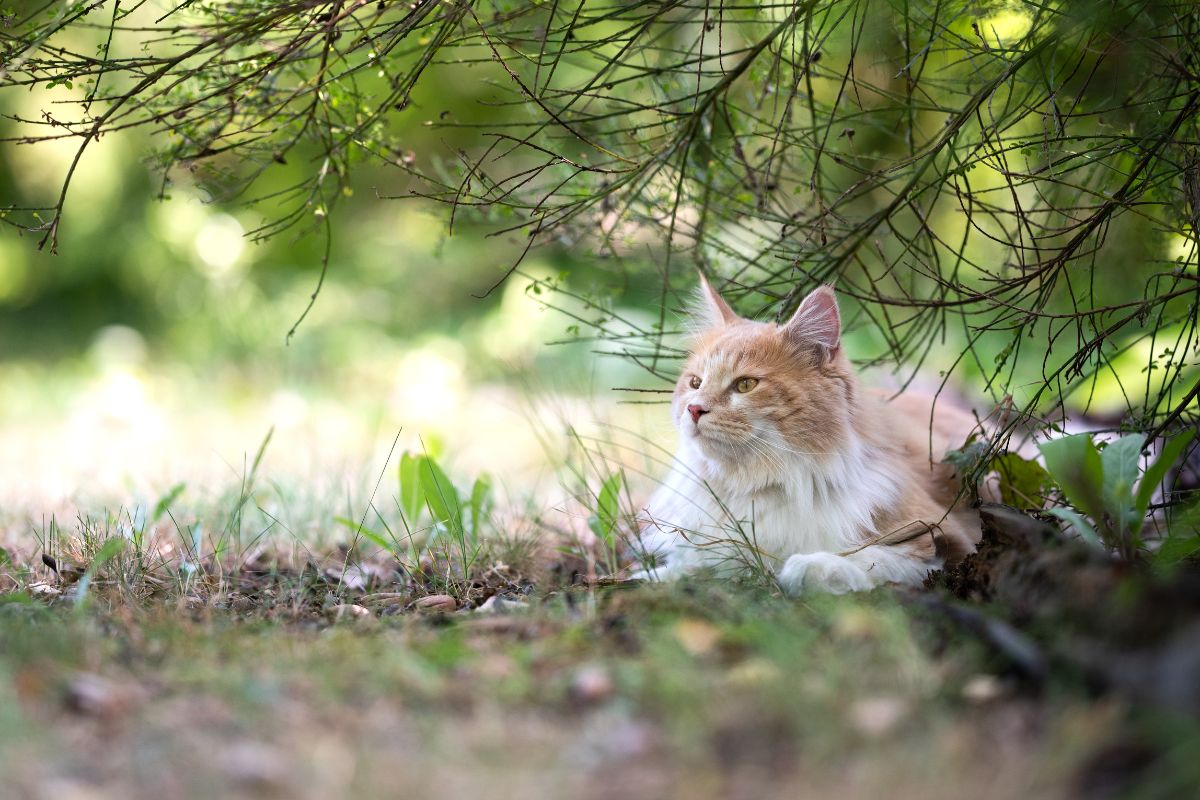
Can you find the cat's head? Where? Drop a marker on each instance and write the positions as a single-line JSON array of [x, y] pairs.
[[758, 393]]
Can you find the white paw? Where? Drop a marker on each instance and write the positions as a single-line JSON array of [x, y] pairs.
[[822, 572]]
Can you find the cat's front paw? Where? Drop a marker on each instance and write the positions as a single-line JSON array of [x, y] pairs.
[[807, 573]]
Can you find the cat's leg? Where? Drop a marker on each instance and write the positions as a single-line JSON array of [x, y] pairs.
[[865, 569]]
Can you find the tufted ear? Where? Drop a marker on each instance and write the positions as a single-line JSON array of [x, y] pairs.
[[817, 322], [711, 308]]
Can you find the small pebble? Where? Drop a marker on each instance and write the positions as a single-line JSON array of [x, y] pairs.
[[982, 689], [876, 716], [591, 684], [350, 611]]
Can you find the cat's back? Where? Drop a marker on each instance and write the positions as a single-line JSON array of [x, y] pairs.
[[928, 426]]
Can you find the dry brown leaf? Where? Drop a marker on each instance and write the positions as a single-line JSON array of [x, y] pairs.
[[437, 603]]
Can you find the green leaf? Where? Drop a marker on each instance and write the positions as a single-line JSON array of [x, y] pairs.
[[481, 496], [439, 493], [1184, 521], [410, 485], [1157, 471], [1074, 463], [1183, 537], [1023, 481], [608, 506], [167, 500], [1120, 463], [1081, 525], [1176, 549], [366, 533]]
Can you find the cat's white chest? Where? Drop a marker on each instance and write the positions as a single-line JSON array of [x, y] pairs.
[[698, 517]]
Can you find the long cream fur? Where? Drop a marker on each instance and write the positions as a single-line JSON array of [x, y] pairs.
[[832, 487]]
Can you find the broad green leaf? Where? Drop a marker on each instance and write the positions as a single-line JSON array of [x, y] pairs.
[[440, 495], [1074, 463], [608, 506], [1023, 481], [1183, 537], [481, 496], [1175, 549], [1081, 525], [1120, 462], [410, 486], [366, 533], [1184, 521], [1158, 470]]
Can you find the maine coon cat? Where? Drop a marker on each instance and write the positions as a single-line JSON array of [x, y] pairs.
[[785, 460]]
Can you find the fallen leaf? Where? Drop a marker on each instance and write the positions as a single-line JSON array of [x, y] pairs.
[[753, 672], [94, 696], [384, 599], [44, 589], [697, 636], [438, 603]]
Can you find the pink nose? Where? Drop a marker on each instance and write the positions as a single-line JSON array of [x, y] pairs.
[[697, 412]]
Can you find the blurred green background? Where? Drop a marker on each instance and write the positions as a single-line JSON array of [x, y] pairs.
[[161, 326], [161, 314]]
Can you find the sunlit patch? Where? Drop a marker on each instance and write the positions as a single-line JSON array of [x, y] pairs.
[[1007, 27], [1181, 249], [14, 272], [178, 219], [430, 384], [219, 245], [287, 409], [1136, 376], [513, 332], [118, 346], [99, 175]]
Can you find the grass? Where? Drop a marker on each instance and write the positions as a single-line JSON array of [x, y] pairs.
[[250, 645]]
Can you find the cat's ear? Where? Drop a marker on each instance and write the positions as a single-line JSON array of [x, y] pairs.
[[711, 308], [817, 322]]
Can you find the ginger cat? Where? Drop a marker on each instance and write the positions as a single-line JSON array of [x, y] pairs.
[[784, 460]]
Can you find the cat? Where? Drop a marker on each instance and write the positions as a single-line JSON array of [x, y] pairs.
[[786, 462]]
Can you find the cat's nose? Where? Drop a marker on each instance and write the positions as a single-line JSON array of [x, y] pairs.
[[696, 412]]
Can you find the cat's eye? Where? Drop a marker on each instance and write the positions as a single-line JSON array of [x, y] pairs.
[[694, 382], [745, 384]]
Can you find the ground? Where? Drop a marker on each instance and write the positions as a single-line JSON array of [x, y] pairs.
[[247, 639], [299, 688]]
